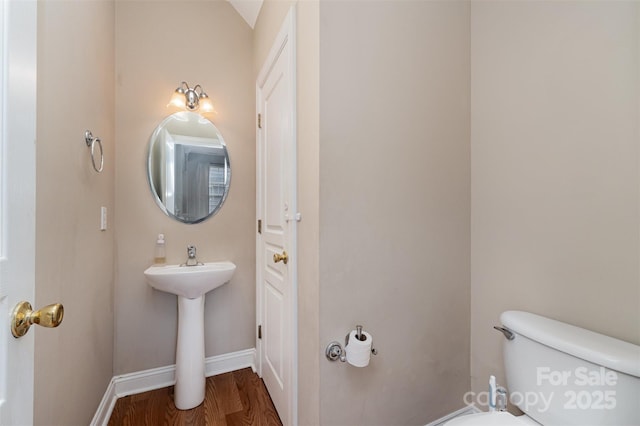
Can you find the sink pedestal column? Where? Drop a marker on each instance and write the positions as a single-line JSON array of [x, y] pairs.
[[190, 376]]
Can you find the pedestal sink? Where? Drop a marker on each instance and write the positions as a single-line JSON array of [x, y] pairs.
[[190, 284]]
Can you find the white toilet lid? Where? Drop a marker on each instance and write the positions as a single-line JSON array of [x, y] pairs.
[[496, 418]]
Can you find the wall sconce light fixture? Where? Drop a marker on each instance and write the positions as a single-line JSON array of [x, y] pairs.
[[191, 98]]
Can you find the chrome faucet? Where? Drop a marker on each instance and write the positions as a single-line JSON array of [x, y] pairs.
[[191, 256]]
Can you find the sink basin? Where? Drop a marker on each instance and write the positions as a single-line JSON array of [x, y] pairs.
[[190, 284], [189, 281]]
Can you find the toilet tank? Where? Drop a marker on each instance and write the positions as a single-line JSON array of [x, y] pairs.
[[560, 374]]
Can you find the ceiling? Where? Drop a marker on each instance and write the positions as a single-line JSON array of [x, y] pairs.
[[248, 9]]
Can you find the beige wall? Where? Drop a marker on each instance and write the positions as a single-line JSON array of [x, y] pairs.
[[554, 170], [267, 26], [394, 207], [308, 97], [74, 259], [155, 50]]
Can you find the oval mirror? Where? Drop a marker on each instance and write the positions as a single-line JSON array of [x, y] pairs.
[[188, 167]]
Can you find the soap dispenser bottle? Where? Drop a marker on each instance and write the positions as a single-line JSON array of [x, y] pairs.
[[159, 258]]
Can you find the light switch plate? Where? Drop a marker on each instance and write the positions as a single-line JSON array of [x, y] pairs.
[[103, 218]]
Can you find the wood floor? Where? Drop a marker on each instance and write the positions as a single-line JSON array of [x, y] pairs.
[[236, 398]]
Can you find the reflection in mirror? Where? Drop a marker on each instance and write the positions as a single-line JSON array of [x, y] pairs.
[[188, 167]]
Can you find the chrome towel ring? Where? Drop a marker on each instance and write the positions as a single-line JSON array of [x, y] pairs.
[[91, 143]]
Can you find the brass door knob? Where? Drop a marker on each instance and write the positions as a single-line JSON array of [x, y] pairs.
[[24, 316], [278, 257]]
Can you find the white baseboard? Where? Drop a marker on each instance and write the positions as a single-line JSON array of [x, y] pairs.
[[469, 409], [103, 413], [157, 378]]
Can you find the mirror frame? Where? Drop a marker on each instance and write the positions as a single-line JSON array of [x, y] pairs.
[[152, 188]]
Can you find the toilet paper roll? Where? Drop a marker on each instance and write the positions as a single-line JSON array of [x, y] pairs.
[[359, 351]]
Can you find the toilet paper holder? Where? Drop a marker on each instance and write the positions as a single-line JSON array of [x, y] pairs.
[[335, 351]]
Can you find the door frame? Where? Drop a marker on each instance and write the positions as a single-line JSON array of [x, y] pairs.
[[286, 35], [18, 80]]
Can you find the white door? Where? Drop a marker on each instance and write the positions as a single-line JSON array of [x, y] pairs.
[[17, 203], [277, 216]]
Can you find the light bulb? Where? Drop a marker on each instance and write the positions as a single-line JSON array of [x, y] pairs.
[[205, 103], [177, 99]]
